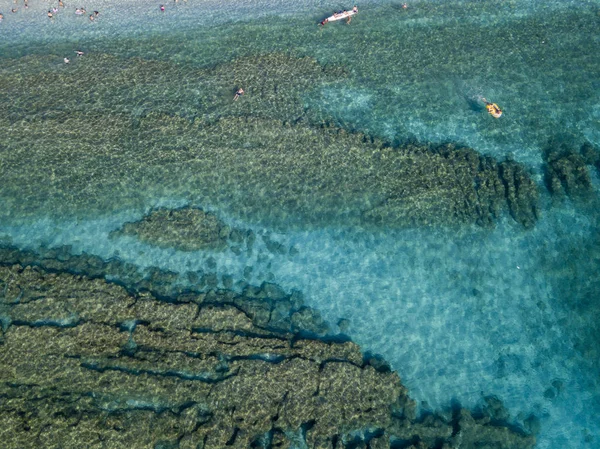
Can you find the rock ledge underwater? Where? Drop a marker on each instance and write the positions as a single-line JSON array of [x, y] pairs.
[[85, 362]]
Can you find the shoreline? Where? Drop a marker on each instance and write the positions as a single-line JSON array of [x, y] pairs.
[[117, 17]]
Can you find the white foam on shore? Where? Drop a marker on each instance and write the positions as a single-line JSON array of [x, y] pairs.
[[119, 18]]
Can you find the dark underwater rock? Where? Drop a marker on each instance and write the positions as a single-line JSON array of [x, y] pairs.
[[266, 158], [85, 363], [590, 154], [521, 193], [308, 320], [478, 433], [200, 372], [446, 185], [567, 172], [186, 229]]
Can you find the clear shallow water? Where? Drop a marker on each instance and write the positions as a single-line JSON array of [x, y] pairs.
[[460, 314]]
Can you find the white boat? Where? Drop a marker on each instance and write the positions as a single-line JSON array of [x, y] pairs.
[[340, 16]]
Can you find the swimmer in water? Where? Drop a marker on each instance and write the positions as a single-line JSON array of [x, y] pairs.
[[66, 60], [238, 94], [79, 53], [61, 4], [162, 8], [50, 16]]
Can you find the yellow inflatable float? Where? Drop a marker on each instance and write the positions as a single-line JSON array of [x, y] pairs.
[[492, 108]]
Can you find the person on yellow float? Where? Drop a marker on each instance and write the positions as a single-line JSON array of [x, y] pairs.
[[493, 109]]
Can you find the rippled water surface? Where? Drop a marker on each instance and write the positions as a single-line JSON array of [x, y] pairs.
[[146, 119]]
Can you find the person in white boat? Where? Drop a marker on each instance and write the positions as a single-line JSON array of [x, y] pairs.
[[340, 15]]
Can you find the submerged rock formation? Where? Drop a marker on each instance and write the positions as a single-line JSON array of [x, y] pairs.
[[185, 229], [85, 363], [265, 159], [449, 185], [567, 172], [521, 193]]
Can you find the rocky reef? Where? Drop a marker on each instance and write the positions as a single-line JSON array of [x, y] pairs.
[[446, 184], [86, 362], [521, 193], [567, 170], [267, 304], [264, 158], [185, 229]]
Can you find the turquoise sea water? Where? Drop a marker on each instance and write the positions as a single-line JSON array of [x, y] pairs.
[[461, 313]]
